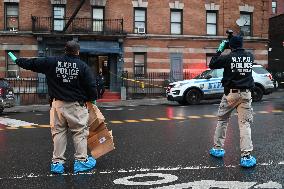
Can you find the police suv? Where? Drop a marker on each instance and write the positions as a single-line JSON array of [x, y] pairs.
[[208, 85]]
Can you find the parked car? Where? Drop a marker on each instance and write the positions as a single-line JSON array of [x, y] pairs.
[[7, 97], [208, 85]]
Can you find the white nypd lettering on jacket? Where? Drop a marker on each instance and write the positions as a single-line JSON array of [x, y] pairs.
[[242, 65], [67, 71]]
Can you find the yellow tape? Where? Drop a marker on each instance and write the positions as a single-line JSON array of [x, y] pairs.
[[142, 83]]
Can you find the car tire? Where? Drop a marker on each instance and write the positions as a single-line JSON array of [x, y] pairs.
[[257, 94], [193, 96], [1, 110]]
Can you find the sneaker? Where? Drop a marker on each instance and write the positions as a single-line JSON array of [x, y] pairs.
[[81, 166], [248, 161], [219, 153], [57, 168]]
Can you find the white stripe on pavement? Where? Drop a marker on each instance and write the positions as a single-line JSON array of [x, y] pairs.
[[178, 168], [14, 122]]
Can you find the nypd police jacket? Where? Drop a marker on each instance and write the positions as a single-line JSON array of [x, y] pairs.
[[68, 78], [237, 69]]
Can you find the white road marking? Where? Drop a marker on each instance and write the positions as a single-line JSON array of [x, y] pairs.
[[207, 184], [270, 184], [141, 170], [166, 178], [14, 122]]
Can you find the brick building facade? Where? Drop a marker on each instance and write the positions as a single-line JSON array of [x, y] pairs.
[[138, 36]]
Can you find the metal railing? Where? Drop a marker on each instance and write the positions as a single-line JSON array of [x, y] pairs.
[[78, 25], [152, 84], [34, 90], [29, 90]]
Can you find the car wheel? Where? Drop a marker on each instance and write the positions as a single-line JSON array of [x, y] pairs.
[[193, 96], [1, 110], [257, 94]]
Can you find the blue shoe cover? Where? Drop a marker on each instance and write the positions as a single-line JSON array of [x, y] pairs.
[[81, 166], [219, 153], [57, 168], [248, 161]]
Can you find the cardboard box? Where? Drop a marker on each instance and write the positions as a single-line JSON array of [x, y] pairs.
[[101, 127], [101, 143], [96, 118]]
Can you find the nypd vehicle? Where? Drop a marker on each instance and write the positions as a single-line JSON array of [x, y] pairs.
[[208, 85]]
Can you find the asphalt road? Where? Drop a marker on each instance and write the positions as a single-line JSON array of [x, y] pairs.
[[161, 146]]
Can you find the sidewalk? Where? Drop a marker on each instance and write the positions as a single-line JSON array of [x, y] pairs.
[[135, 102]]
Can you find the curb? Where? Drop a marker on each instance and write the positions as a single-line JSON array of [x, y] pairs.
[[126, 103]]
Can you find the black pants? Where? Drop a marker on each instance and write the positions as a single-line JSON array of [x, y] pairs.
[[101, 90]]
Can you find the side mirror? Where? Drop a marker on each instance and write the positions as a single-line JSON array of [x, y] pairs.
[[208, 77]]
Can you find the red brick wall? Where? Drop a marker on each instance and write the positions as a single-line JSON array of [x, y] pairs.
[[158, 26]]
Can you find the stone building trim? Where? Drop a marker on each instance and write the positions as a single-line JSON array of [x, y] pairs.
[[60, 2], [140, 3], [212, 7], [176, 5], [11, 1], [246, 8], [98, 2]]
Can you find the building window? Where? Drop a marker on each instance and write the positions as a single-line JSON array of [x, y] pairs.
[[247, 20], [139, 64], [58, 18], [13, 70], [274, 7], [98, 19], [12, 16], [211, 22], [139, 20], [176, 21]]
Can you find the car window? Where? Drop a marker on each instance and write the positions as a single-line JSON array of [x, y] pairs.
[[219, 72], [204, 74], [260, 70]]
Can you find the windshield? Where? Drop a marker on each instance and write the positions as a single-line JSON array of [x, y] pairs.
[[203, 74], [260, 70]]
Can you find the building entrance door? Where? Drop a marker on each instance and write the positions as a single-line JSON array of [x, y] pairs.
[[176, 73], [98, 63]]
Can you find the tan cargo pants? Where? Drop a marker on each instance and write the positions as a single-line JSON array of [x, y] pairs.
[[72, 115], [242, 102]]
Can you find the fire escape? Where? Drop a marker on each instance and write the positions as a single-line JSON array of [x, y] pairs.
[[77, 25]]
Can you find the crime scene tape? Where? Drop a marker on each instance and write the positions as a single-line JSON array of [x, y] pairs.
[[136, 81]]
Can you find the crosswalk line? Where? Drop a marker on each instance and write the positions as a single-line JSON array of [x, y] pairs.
[[14, 122]]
